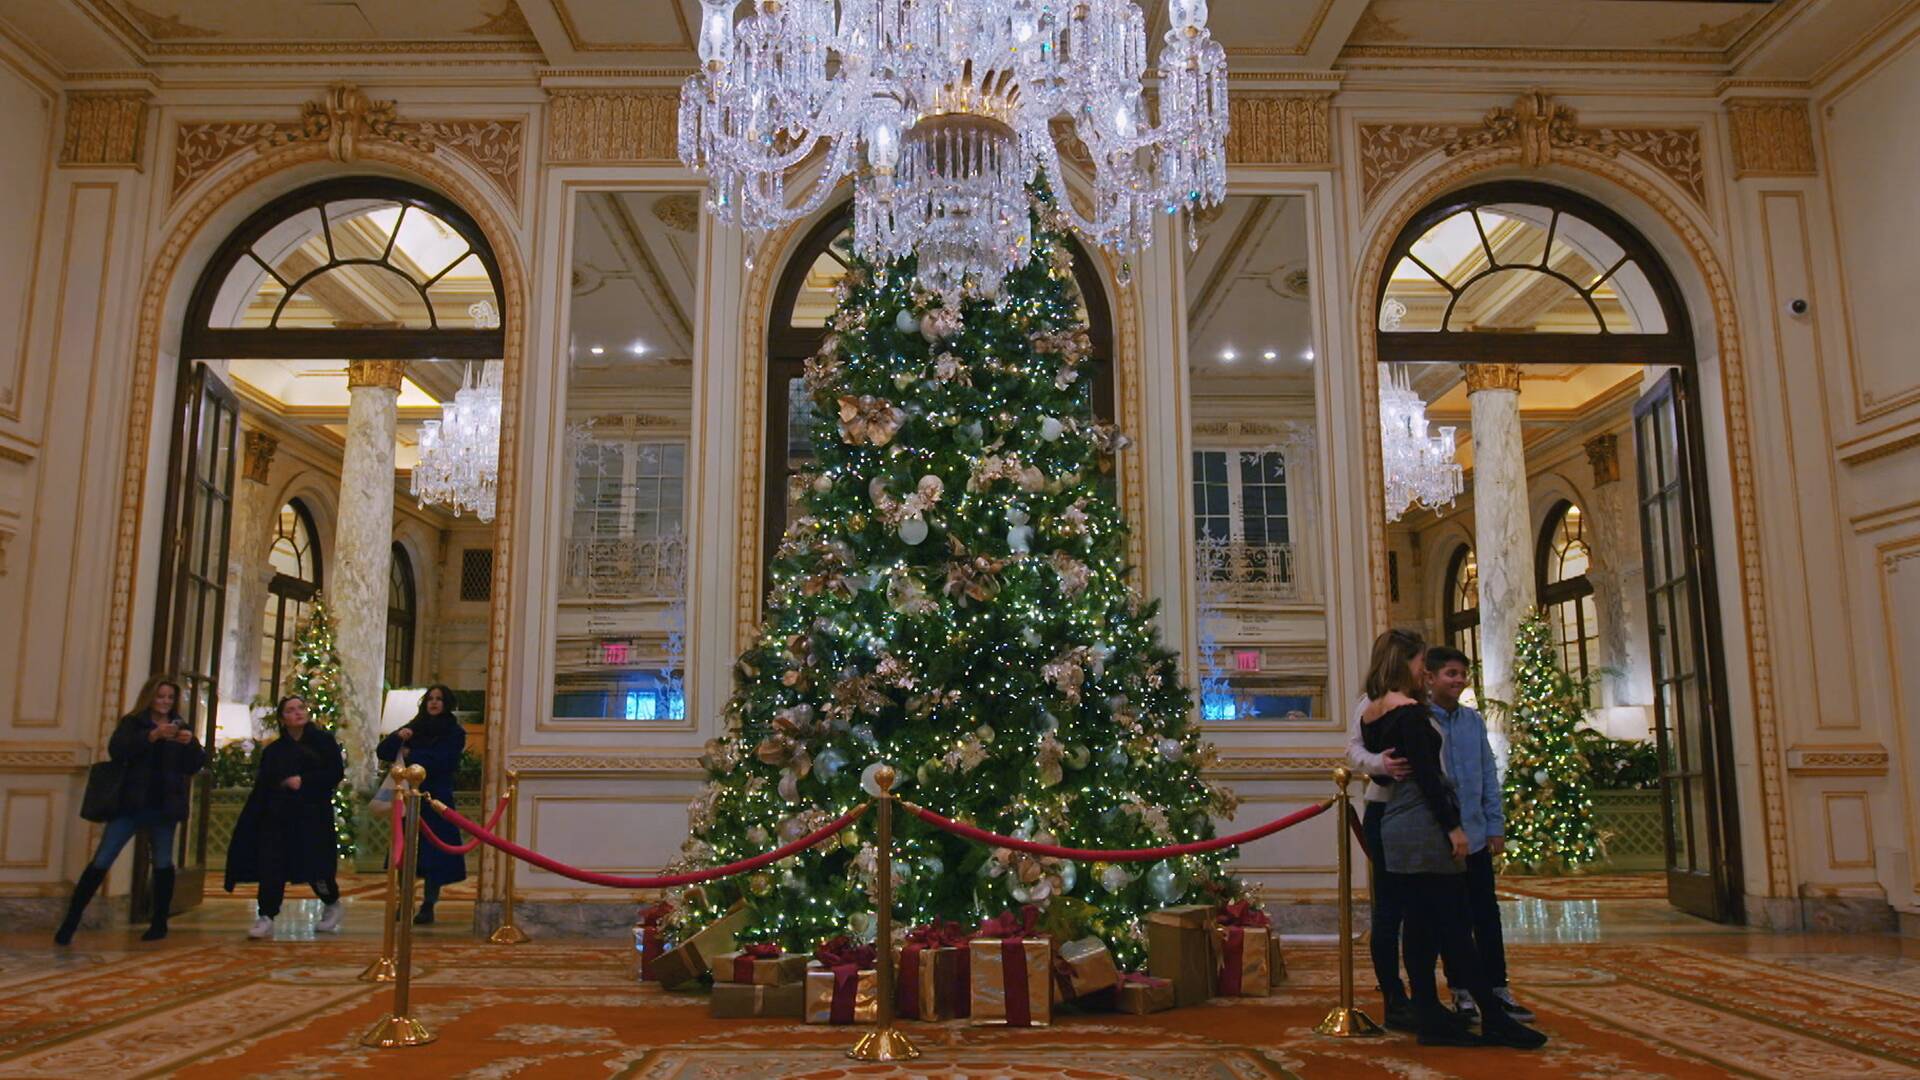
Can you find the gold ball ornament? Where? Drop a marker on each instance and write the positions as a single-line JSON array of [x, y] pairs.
[[760, 884]]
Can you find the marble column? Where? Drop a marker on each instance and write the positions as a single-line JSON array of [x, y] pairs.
[[248, 571], [1502, 540], [1614, 569], [358, 577]]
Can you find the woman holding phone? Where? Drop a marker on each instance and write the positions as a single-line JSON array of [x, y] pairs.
[[433, 740], [160, 755]]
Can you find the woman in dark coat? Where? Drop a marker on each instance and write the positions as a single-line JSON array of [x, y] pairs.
[[161, 755], [286, 830], [433, 740]]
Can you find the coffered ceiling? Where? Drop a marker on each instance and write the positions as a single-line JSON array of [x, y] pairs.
[[1758, 38]]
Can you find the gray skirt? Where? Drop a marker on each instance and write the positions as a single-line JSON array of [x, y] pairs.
[[1411, 838]]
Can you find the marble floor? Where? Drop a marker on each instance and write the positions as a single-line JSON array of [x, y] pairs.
[[1626, 988]]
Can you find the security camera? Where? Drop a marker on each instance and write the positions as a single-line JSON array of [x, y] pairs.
[[1797, 306]]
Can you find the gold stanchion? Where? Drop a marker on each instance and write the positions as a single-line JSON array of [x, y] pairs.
[[507, 933], [382, 969], [1345, 1021], [397, 1028], [884, 1042]]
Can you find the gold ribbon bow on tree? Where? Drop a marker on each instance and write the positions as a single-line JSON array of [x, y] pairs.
[[977, 577], [868, 419]]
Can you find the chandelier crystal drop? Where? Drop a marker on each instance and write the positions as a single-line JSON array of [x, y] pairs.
[[1419, 469], [942, 111], [459, 465]]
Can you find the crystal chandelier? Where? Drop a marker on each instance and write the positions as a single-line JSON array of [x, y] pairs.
[[459, 465], [1419, 468], [943, 111]]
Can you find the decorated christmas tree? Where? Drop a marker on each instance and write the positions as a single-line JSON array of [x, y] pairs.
[[1549, 815], [954, 601], [317, 679]]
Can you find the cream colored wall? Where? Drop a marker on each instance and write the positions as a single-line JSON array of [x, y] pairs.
[[1815, 536]]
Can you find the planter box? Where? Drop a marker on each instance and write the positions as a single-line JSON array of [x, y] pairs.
[[1629, 824]]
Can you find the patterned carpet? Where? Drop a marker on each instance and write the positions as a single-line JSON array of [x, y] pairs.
[[200, 1006]]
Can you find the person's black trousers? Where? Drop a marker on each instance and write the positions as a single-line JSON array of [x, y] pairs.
[[273, 884], [1438, 925], [1483, 911], [1389, 907]]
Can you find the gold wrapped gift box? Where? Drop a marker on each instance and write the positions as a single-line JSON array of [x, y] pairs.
[[693, 957], [862, 997], [1083, 967], [1141, 995], [729, 967], [939, 985], [988, 976], [739, 1001], [1259, 950], [1182, 948]]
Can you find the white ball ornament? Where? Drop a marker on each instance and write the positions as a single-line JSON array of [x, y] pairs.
[[906, 322], [913, 530], [1164, 884], [1051, 429], [1115, 878], [1540, 776], [1171, 749]]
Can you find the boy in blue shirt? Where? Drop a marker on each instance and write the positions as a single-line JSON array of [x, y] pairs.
[[1468, 758]]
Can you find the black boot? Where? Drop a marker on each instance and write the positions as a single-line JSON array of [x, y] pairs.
[[1400, 1014], [83, 891], [424, 917], [162, 903], [1499, 1029]]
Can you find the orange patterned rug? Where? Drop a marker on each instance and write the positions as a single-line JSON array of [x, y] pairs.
[[350, 885], [1647, 886], [197, 1007]]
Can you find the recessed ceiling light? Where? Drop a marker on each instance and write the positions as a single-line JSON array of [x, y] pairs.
[[596, 350], [638, 348], [1269, 355], [1229, 355]]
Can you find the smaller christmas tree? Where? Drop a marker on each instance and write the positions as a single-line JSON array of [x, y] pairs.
[[1549, 814], [318, 681]]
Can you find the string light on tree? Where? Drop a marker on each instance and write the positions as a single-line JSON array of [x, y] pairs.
[[1548, 808], [954, 601], [318, 681]]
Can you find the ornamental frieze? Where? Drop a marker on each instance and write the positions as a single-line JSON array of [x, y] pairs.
[[1537, 127], [343, 119]]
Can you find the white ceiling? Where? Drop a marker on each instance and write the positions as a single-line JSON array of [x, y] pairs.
[[1248, 292]]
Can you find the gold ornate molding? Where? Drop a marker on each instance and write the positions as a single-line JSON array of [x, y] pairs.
[[1603, 454], [1771, 137], [105, 129], [381, 374], [344, 119], [258, 462], [1866, 760], [586, 126], [1491, 377], [679, 211], [1279, 129], [1538, 128]]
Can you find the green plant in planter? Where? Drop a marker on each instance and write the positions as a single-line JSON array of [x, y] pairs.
[[1618, 764], [234, 764]]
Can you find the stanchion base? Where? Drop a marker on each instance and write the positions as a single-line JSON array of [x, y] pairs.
[[886, 1044], [508, 934], [1349, 1024], [394, 1031], [381, 970]]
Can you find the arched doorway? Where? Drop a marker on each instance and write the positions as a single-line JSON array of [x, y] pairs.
[[803, 302], [348, 271], [1595, 339]]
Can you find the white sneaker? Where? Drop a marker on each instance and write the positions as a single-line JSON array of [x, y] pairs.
[[331, 917], [1464, 1004], [262, 929], [1514, 1009]]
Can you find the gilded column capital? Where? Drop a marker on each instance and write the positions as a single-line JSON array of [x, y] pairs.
[[1771, 137], [1603, 453], [1492, 377], [385, 374], [105, 129], [259, 456]]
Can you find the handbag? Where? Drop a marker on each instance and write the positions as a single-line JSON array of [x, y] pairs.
[[106, 784], [382, 800]]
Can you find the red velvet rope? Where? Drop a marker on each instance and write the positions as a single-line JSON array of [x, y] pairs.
[[1359, 831], [1117, 854], [669, 881], [461, 849], [399, 845]]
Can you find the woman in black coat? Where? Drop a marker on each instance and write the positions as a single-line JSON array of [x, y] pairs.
[[433, 740], [286, 830], [160, 756]]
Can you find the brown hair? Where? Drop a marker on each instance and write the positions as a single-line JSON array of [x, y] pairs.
[[144, 703], [1392, 665]]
